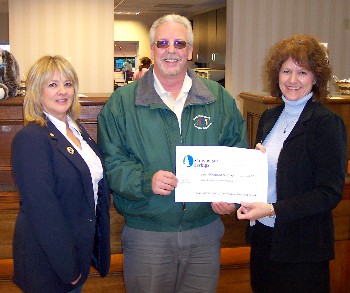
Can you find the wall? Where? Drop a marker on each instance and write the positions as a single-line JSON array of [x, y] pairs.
[[134, 29], [4, 32], [80, 30], [254, 26]]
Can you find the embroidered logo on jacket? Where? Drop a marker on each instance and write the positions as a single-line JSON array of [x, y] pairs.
[[202, 122]]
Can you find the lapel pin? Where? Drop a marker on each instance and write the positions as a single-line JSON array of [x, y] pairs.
[[70, 150], [51, 134]]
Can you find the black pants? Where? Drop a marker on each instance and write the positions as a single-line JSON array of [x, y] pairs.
[[274, 277]]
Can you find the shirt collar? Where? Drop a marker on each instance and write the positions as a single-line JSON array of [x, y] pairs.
[[60, 125], [296, 106], [186, 86]]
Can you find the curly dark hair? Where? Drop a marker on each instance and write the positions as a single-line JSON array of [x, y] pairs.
[[145, 62], [307, 52]]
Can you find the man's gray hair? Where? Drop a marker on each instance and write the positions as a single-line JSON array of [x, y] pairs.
[[172, 18]]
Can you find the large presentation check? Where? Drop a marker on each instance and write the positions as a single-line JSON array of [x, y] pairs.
[[218, 173]]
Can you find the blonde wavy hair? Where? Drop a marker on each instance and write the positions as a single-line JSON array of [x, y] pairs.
[[38, 76]]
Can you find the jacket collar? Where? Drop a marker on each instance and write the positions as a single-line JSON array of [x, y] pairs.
[[299, 127], [147, 95]]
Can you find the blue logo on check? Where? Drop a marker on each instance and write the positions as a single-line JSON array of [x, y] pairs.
[[188, 161]]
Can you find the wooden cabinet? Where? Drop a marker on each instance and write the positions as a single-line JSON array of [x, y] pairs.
[[200, 48], [210, 38], [255, 103], [217, 38]]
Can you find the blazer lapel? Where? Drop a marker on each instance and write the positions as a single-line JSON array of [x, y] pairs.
[[69, 151], [271, 120]]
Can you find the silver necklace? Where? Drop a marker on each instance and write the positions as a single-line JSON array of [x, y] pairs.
[[286, 122]]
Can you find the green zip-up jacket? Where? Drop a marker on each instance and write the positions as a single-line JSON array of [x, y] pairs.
[[138, 134]]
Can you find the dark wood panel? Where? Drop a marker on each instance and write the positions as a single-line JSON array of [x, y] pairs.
[[7, 225], [7, 133], [234, 273], [255, 103], [91, 128], [340, 268]]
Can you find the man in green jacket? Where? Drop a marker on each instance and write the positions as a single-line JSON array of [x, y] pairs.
[[167, 246]]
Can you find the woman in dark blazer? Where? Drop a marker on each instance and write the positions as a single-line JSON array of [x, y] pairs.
[[63, 224], [291, 236]]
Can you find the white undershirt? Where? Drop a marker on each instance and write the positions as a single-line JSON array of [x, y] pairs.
[[175, 105], [86, 152]]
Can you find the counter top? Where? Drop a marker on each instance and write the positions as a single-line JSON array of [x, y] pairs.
[[96, 98], [265, 98]]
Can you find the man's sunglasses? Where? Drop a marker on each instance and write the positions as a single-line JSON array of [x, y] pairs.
[[165, 44]]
